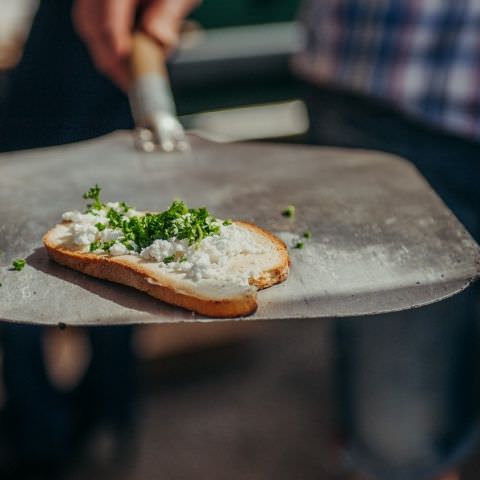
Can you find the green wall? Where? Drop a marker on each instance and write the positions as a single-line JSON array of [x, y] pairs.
[[227, 13]]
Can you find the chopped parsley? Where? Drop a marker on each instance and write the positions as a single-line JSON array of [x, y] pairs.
[[299, 245], [289, 211], [307, 235], [19, 264], [175, 258], [114, 218], [93, 194], [95, 246], [128, 244], [125, 207], [178, 221], [107, 245]]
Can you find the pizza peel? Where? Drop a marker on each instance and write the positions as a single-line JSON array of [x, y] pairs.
[[381, 239]]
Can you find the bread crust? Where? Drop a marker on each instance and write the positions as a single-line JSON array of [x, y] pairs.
[[118, 270]]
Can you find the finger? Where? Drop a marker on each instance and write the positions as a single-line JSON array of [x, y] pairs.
[[108, 22], [111, 48], [106, 26], [162, 19], [116, 24]]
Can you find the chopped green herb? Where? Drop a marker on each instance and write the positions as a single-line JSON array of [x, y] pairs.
[[128, 243], [94, 246], [289, 211], [107, 245], [183, 259], [227, 222], [19, 264], [307, 234], [93, 194], [178, 221], [169, 259], [299, 245], [125, 207], [114, 218]]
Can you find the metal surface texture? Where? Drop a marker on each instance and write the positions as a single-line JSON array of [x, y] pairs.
[[381, 239]]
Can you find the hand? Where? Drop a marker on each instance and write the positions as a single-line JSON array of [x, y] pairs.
[[106, 27]]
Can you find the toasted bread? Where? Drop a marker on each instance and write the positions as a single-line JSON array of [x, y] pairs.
[[211, 298]]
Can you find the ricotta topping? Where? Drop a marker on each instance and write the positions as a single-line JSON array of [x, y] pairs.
[[84, 226], [118, 249], [208, 259]]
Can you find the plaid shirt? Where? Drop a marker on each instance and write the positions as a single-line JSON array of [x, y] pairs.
[[423, 56]]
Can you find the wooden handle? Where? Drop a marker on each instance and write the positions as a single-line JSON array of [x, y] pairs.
[[147, 57]]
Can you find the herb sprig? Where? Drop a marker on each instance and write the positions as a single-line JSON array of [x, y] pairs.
[[289, 212], [191, 224], [93, 194], [19, 264], [179, 221]]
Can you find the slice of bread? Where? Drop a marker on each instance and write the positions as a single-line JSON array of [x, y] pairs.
[[212, 297]]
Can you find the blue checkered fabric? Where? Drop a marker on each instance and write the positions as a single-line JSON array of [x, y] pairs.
[[423, 56]]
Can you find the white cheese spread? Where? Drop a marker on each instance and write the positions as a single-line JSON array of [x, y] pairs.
[[208, 259], [84, 226], [118, 249]]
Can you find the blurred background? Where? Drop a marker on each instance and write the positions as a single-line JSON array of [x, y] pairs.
[[237, 401]]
